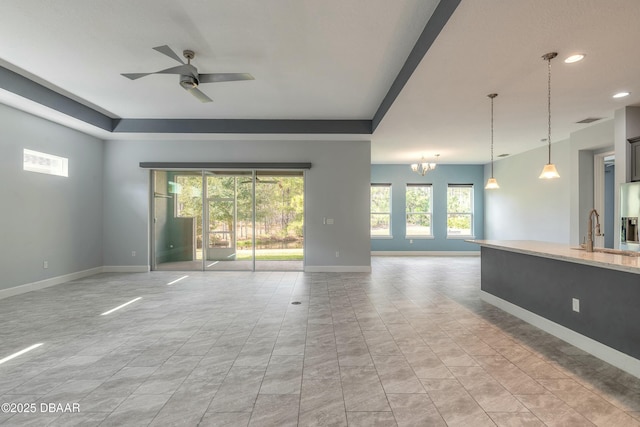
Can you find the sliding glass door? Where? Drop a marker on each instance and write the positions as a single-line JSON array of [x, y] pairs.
[[228, 220]]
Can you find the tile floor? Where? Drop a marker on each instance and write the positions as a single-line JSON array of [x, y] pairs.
[[410, 344]]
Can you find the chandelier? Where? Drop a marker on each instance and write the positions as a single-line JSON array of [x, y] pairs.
[[423, 167]]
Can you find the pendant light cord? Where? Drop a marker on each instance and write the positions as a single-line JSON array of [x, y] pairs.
[[492, 95], [549, 106], [492, 136]]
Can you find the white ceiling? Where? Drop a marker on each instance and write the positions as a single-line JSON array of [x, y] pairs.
[[336, 59]]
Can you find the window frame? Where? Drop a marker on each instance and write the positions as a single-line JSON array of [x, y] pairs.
[[428, 213], [44, 163], [471, 214], [389, 213]]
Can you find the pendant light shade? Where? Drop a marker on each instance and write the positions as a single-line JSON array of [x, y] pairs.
[[492, 183], [549, 171]]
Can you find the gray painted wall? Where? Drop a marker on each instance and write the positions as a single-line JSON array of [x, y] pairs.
[[337, 186], [584, 144], [528, 208], [525, 207], [46, 217]]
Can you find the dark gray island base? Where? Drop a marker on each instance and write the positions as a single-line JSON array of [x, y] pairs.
[[540, 288]]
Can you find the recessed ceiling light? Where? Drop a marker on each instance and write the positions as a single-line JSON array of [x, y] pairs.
[[574, 58], [621, 94]]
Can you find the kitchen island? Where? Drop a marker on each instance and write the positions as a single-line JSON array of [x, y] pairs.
[[589, 299]]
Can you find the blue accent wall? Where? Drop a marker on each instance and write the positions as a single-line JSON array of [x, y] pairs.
[[401, 175]]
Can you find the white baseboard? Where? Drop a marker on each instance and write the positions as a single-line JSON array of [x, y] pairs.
[[599, 350], [425, 253], [125, 269], [337, 269], [34, 286]]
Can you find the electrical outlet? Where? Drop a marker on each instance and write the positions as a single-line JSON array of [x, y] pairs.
[[337, 254], [45, 264], [133, 253], [410, 241], [576, 305]]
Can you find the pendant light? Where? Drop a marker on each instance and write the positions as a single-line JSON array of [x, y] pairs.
[[492, 183], [549, 171]]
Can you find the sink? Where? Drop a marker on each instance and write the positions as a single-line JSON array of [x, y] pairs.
[[612, 251]]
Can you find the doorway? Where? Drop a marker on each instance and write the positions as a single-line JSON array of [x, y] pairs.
[[228, 220], [604, 197]]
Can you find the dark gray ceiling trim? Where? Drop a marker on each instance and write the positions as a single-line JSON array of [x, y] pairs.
[[22, 86], [243, 126], [436, 23], [222, 165], [29, 89]]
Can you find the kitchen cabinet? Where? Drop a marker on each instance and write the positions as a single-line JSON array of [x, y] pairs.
[[635, 158]]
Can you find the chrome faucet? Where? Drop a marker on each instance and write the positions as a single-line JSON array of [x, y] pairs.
[[589, 244]]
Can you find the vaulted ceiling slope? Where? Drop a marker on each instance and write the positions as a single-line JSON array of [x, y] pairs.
[[411, 75]]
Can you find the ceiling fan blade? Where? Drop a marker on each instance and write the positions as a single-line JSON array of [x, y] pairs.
[[224, 77], [199, 94], [134, 76], [180, 69], [166, 50]]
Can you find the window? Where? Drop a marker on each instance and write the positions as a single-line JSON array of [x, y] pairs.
[[35, 161], [459, 210], [381, 210], [418, 209]]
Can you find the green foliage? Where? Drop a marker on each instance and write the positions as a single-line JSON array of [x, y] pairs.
[[279, 206], [380, 199], [418, 199]]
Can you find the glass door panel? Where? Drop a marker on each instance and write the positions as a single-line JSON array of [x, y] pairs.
[[177, 222], [229, 211], [279, 220]]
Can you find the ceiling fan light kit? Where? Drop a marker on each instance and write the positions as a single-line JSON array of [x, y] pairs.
[[190, 79]]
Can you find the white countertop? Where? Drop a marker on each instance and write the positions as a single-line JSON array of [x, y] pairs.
[[562, 252]]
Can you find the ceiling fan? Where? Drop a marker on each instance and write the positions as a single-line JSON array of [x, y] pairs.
[[189, 77]]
